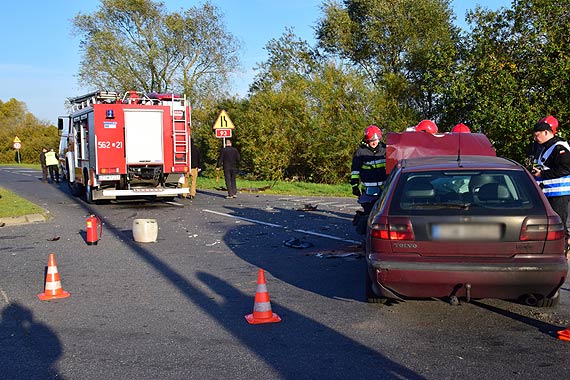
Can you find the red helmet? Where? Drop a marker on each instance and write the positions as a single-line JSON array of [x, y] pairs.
[[550, 120], [372, 132], [426, 126], [461, 128]]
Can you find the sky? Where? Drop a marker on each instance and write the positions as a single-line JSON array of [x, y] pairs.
[[39, 57]]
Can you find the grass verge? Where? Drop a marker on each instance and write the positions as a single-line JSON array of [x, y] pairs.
[[13, 205], [277, 187]]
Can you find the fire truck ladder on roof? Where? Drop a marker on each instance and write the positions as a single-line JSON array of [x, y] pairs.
[[180, 120], [96, 97]]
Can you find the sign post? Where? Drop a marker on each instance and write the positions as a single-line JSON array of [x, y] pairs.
[[17, 145], [223, 127]]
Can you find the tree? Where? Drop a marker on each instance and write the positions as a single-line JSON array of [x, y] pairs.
[[137, 44], [514, 70], [305, 114], [406, 48], [15, 120]]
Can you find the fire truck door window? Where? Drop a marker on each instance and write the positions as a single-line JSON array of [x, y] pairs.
[[84, 140], [77, 138]]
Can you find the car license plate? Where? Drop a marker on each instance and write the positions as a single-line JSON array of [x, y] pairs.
[[466, 232], [109, 177]]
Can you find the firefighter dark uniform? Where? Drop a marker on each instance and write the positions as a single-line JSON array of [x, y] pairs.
[[368, 172]]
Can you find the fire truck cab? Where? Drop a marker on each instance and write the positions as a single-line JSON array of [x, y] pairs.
[[125, 146]]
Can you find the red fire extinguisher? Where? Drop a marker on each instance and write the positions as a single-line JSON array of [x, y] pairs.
[[94, 229]]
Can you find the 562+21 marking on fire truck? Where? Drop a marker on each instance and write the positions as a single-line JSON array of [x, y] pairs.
[[109, 144]]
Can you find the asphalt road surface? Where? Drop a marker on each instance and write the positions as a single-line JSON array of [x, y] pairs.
[[174, 309]]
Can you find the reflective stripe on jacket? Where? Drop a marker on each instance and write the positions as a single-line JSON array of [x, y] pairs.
[[368, 166], [553, 187]]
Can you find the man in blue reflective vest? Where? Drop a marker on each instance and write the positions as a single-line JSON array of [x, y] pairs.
[[552, 170]]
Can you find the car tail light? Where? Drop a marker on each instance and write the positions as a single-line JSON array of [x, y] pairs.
[[392, 228], [542, 229]]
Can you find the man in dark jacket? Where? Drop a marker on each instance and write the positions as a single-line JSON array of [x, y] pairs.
[[552, 170], [369, 171], [43, 164], [228, 159]]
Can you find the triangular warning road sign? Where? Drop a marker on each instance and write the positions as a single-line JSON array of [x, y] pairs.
[[17, 140], [223, 121]]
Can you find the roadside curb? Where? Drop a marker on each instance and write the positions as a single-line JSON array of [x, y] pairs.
[[23, 219]]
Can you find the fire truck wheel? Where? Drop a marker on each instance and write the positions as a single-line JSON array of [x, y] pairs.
[[88, 189], [89, 194]]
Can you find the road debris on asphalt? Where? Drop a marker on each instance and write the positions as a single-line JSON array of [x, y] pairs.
[[296, 243]]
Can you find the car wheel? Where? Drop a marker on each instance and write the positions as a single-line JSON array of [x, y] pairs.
[[372, 297], [549, 301]]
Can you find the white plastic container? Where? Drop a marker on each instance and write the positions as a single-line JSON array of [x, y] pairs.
[[145, 230]]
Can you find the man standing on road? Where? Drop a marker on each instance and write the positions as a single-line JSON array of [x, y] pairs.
[[195, 168], [52, 164], [552, 171], [368, 171], [228, 159], [43, 164]]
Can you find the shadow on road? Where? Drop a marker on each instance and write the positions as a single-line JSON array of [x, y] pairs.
[[28, 348], [297, 348], [280, 346]]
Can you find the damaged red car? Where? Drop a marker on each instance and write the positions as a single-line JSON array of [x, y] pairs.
[[464, 227]]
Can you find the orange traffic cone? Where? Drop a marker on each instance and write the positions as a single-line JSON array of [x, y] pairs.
[[262, 306], [564, 334], [53, 289]]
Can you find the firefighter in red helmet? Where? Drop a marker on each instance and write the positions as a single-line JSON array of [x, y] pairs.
[[550, 120], [368, 173], [426, 126], [460, 128]]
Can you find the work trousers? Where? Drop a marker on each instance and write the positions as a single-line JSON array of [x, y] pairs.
[[192, 179], [230, 177], [53, 172], [560, 206], [44, 173]]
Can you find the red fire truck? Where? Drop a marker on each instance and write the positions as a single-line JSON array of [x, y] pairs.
[[119, 146]]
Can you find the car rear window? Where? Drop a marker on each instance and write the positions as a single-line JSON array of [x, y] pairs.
[[453, 192]]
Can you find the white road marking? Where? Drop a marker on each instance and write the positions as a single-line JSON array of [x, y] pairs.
[[326, 236], [4, 296], [245, 219], [279, 226]]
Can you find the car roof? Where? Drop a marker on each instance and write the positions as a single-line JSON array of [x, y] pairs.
[[452, 163]]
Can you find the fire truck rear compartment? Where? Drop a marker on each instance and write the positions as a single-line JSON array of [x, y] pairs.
[[148, 174]]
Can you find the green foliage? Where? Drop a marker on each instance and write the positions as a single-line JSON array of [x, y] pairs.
[[514, 70], [15, 120], [406, 49], [305, 115]]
